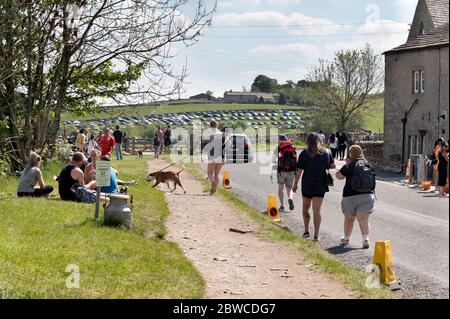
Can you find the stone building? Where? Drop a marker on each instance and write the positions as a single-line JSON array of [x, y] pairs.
[[416, 86], [250, 97]]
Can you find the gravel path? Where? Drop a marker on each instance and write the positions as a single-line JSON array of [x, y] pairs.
[[238, 265]]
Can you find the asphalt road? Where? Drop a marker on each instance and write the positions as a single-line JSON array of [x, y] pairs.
[[416, 225]]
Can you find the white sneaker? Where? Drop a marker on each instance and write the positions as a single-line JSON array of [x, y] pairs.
[[366, 244], [344, 241]]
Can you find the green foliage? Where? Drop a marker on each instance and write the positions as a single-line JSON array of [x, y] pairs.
[[263, 83]]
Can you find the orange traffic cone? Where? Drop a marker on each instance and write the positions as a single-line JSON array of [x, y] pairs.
[[272, 209], [226, 180]]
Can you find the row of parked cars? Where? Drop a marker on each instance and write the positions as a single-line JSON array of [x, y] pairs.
[[286, 119]]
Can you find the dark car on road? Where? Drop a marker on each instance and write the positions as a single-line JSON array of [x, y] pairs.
[[238, 149]]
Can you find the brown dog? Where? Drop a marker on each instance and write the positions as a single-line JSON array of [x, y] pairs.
[[166, 177]]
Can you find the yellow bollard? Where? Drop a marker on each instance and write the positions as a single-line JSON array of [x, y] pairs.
[[382, 257], [272, 209], [226, 180]]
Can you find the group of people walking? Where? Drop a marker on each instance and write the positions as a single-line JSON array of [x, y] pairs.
[[313, 167], [339, 144], [162, 141]]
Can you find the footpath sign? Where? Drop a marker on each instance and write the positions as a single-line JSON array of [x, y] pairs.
[[102, 179]]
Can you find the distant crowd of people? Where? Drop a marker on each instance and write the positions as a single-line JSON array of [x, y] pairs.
[[108, 141]]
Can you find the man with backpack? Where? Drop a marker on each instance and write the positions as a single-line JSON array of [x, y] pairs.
[[359, 194], [286, 157]]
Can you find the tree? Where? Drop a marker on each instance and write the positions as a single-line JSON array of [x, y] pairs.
[[282, 99], [342, 87], [72, 55], [263, 83], [210, 95]]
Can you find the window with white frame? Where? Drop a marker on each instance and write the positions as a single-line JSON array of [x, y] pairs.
[[418, 82], [422, 81]]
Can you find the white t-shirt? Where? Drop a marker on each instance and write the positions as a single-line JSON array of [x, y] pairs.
[[322, 138]]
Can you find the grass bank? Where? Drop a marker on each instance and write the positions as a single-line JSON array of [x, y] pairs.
[[39, 238], [321, 260]]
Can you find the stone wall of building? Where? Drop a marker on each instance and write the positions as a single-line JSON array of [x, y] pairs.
[[373, 152]]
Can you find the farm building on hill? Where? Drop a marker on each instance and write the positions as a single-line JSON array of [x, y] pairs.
[[250, 97], [202, 96], [416, 106]]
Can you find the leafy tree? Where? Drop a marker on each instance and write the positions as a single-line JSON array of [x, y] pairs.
[[282, 99], [73, 55], [342, 87], [263, 83], [210, 95]]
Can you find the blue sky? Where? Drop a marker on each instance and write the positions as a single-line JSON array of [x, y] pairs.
[[283, 38]]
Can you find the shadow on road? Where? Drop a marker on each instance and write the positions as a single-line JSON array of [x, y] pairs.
[[339, 250]]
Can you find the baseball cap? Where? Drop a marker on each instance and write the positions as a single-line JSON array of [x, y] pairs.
[[282, 137]]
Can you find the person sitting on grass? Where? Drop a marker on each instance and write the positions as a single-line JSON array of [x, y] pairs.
[[72, 175], [31, 176], [89, 170]]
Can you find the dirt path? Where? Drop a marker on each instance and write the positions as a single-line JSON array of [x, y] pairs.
[[236, 265]]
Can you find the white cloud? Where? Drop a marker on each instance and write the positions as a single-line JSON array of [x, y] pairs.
[[381, 36], [308, 25], [290, 49], [225, 4]]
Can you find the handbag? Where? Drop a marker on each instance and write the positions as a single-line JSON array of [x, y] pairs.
[[330, 179]]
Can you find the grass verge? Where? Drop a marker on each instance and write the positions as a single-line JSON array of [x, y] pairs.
[[39, 238], [321, 260]]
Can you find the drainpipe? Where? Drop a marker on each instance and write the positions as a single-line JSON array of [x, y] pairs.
[[404, 120]]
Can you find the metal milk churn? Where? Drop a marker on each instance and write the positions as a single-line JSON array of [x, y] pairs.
[[118, 213]]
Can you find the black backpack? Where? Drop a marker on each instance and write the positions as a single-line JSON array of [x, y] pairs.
[[363, 180], [287, 160]]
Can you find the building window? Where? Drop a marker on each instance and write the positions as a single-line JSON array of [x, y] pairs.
[[422, 81], [418, 82]]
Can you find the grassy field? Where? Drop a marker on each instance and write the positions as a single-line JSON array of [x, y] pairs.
[[177, 107], [321, 260], [39, 238], [374, 120]]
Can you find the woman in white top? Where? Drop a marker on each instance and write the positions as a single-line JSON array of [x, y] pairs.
[[214, 149], [334, 144]]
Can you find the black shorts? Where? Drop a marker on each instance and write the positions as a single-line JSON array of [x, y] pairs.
[[167, 142], [310, 196]]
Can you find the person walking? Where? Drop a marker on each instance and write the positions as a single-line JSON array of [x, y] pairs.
[[80, 141], [358, 196], [285, 155], [157, 145], [31, 176], [106, 142], [167, 139], [118, 137], [313, 165], [214, 149], [341, 145], [92, 145], [160, 133], [321, 137], [126, 143], [443, 169], [334, 144]]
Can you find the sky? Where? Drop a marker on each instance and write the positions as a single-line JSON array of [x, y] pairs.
[[284, 38]]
